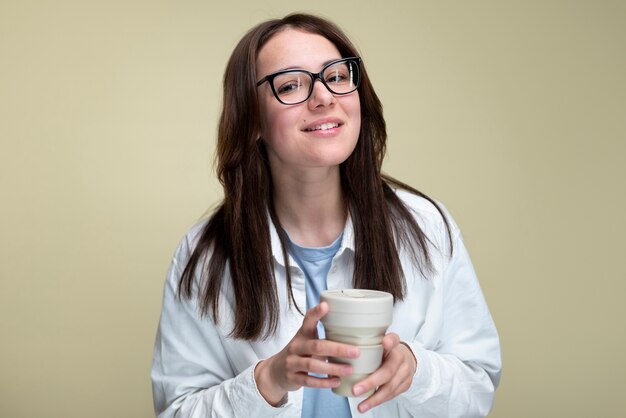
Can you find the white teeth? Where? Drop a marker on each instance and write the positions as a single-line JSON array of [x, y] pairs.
[[323, 127]]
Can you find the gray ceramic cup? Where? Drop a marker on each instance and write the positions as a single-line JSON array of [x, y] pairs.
[[359, 317]]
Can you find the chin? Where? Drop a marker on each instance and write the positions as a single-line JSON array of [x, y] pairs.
[[333, 159]]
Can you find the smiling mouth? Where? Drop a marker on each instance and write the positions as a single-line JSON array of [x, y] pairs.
[[322, 127]]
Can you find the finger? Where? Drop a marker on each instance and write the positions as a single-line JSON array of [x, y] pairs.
[[383, 394], [398, 384], [312, 365], [384, 374], [312, 316], [390, 341], [390, 382], [326, 348], [304, 379]]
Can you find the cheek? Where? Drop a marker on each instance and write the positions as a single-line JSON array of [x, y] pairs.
[[268, 122], [353, 106], [355, 113], [269, 116], [279, 123]]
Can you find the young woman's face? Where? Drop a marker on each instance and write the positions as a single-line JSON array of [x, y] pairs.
[[320, 132]]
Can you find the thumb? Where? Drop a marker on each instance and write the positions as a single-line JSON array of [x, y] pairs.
[[309, 324]]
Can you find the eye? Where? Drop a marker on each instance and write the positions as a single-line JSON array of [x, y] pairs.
[[290, 82], [288, 87], [337, 75]]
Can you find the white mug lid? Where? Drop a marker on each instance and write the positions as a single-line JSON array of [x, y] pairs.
[[360, 300]]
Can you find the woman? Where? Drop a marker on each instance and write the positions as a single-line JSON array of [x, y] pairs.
[[300, 146]]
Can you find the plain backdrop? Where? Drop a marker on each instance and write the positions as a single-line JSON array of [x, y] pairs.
[[512, 113]]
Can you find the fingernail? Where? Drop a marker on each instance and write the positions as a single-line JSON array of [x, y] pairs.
[[353, 352], [346, 371], [363, 407], [358, 390]]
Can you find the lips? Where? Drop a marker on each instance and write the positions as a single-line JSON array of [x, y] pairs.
[[323, 125]]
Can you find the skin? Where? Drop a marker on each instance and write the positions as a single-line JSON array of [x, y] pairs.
[[309, 203], [304, 164]]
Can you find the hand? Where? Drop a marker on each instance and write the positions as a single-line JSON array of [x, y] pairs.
[[289, 369], [392, 378]]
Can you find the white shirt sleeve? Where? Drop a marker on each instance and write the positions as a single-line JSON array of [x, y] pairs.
[[191, 372], [458, 376]]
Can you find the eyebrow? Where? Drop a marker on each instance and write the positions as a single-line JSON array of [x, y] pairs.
[[325, 63]]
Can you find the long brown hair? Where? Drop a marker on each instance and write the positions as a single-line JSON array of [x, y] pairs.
[[236, 237]]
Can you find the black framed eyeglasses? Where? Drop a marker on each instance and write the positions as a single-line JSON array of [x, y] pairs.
[[291, 87]]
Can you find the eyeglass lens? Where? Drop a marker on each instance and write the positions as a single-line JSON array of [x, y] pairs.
[[295, 86]]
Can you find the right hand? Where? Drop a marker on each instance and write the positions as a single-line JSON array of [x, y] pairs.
[[289, 369]]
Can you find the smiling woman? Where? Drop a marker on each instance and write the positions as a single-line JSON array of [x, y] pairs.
[[306, 208], [291, 133]]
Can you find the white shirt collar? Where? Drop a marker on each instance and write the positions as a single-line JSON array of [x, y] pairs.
[[347, 243]]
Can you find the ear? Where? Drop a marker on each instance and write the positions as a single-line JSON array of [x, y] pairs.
[[259, 134]]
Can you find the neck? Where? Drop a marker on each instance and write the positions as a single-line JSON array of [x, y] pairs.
[[310, 206]]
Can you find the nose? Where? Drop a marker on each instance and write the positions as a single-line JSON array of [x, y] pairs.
[[320, 96]]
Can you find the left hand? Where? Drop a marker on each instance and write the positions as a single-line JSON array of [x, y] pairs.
[[392, 378]]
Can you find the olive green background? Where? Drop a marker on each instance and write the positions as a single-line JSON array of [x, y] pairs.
[[512, 113]]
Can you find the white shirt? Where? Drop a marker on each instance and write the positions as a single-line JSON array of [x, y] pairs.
[[198, 371]]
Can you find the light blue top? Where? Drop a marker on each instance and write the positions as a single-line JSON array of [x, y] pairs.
[[315, 263]]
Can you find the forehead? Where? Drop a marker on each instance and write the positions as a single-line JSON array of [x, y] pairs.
[[294, 48]]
